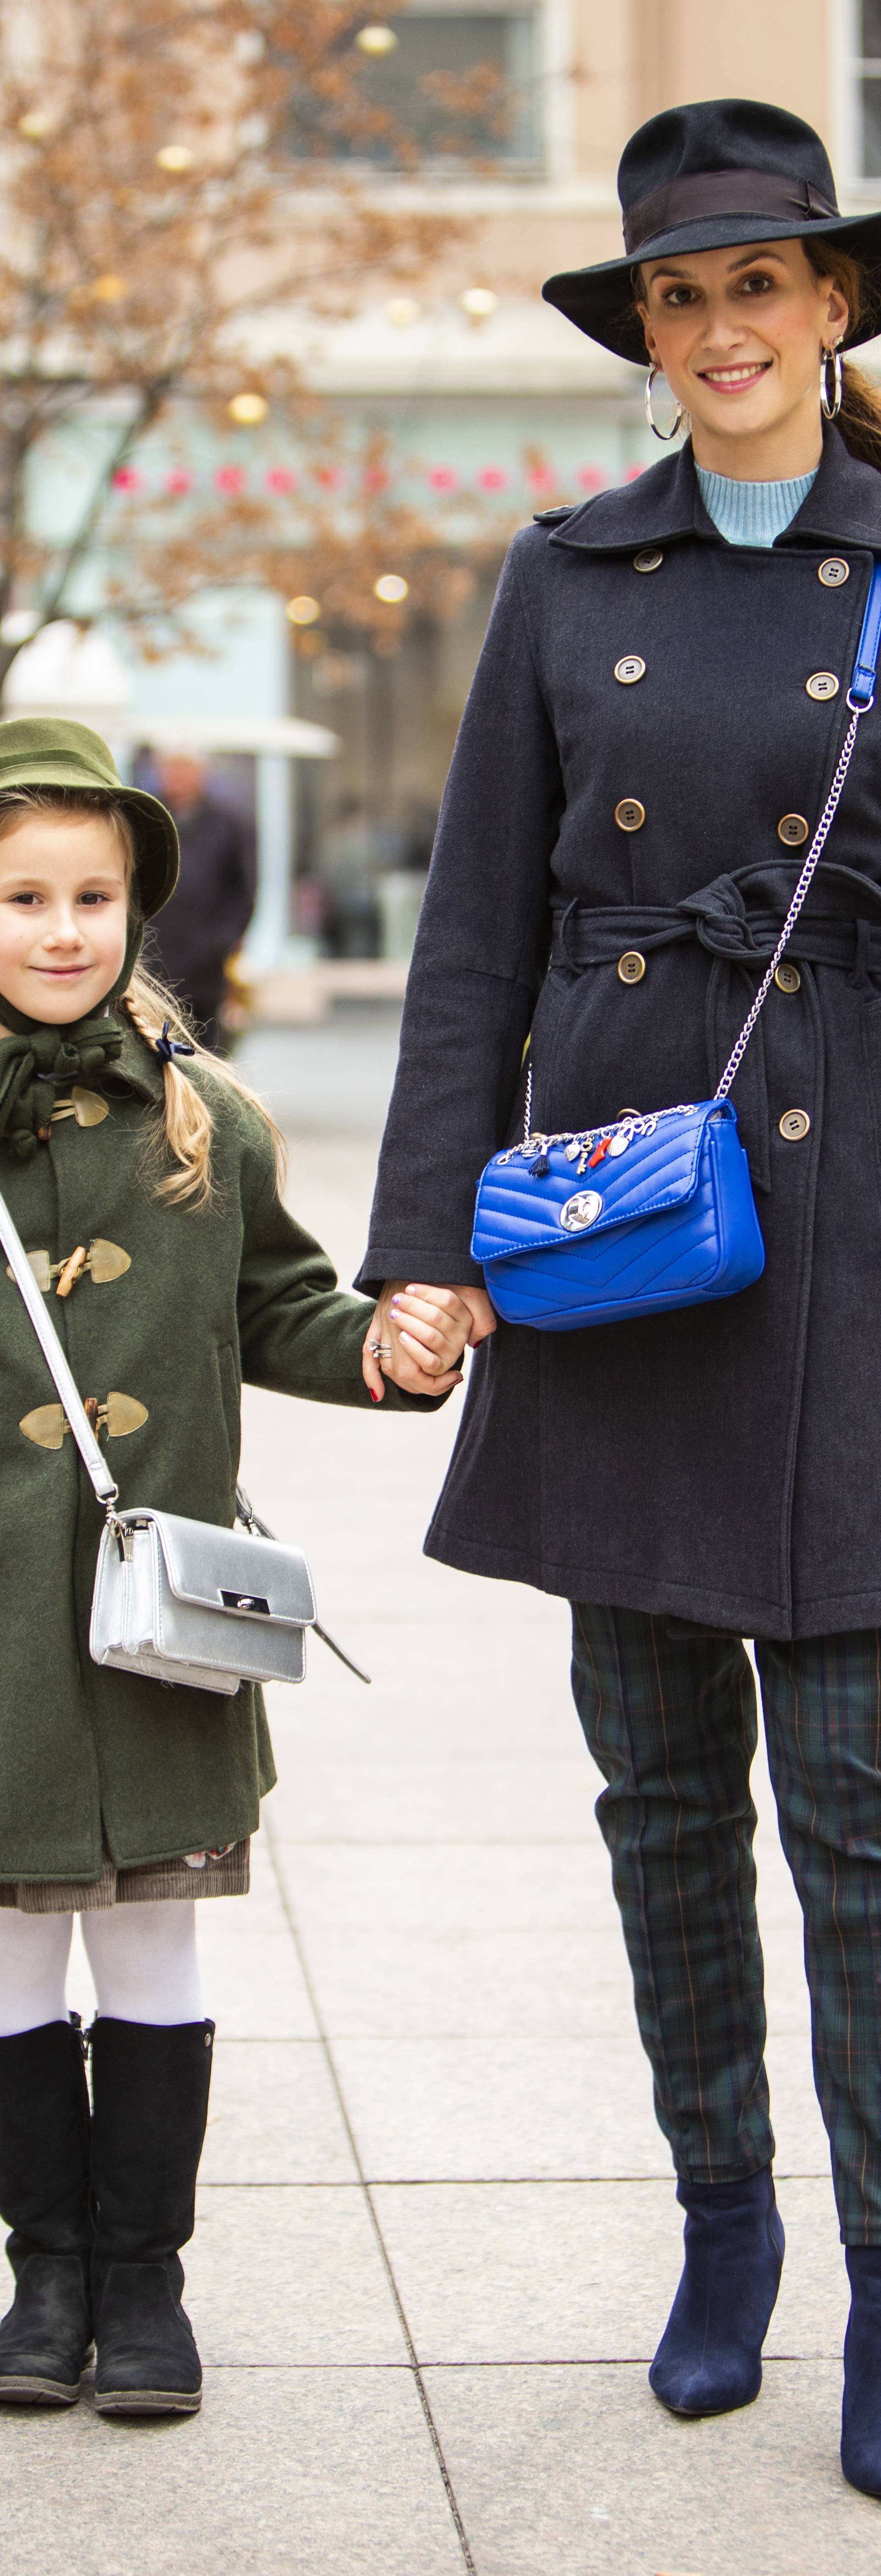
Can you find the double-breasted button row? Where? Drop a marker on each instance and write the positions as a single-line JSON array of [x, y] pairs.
[[631, 969], [822, 685], [792, 829]]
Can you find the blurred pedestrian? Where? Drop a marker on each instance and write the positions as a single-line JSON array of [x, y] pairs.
[[665, 678], [208, 915]]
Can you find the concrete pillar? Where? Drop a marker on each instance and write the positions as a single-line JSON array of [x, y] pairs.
[[270, 928]]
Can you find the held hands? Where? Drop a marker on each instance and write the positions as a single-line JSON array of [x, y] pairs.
[[422, 1335]]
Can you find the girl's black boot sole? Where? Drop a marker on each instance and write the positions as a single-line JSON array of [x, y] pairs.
[[147, 2358], [46, 2338]]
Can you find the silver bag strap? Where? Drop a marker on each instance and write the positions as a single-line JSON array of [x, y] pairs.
[[95, 1464], [820, 837]]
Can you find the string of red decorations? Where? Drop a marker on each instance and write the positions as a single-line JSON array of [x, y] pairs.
[[281, 480]]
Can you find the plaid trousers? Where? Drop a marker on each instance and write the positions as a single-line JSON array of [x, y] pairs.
[[669, 1713]]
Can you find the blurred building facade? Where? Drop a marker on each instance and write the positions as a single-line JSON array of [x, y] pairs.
[[503, 398], [482, 402]]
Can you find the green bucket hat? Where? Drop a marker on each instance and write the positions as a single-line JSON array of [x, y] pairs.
[[53, 751]]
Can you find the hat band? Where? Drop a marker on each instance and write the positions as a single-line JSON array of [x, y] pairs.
[[721, 192]]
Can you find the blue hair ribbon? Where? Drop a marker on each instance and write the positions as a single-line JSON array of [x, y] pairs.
[[167, 1048]]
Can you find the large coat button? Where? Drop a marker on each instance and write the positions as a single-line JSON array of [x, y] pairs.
[[794, 1125], [649, 560], [834, 572], [822, 685], [792, 829], [630, 814], [788, 978], [631, 667], [631, 967]]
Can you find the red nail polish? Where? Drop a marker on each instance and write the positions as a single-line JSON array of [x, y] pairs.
[[374, 1399]]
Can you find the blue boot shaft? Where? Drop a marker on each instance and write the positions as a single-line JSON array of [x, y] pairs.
[[709, 2359], [861, 2410]]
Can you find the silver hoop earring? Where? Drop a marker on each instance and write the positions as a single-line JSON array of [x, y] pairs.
[[830, 410], [664, 434]]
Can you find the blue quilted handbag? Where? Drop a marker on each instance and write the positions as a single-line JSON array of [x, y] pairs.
[[649, 1212]]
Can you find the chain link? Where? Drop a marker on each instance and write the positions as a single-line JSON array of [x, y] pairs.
[[820, 836]]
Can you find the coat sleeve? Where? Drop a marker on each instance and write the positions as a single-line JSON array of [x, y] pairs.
[[480, 957], [299, 1334]]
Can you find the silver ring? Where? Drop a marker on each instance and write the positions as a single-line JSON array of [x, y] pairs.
[[380, 1350]]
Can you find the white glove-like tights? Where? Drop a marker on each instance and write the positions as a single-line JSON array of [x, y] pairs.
[[143, 1960]]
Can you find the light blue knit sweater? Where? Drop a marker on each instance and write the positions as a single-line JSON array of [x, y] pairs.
[[752, 514]]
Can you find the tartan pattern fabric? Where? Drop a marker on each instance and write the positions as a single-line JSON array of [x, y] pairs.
[[669, 1713]]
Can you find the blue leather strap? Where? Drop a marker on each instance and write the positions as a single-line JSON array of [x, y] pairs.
[[862, 688]]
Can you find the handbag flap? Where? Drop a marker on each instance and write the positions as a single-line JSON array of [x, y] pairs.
[[227, 1569], [518, 1210]]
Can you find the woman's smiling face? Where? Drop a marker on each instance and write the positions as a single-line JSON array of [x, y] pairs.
[[738, 334]]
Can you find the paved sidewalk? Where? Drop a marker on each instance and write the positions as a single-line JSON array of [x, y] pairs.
[[437, 2230]]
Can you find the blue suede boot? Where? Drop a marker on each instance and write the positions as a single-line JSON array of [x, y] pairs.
[[709, 2359], [861, 2411]]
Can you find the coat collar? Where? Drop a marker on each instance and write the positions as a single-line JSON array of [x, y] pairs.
[[843, 507]]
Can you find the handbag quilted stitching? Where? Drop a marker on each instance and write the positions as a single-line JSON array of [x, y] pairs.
[[657, 1252]]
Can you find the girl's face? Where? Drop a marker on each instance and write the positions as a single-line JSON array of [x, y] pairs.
[[63, 915], [738, 334]]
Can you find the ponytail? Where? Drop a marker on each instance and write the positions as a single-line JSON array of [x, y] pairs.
[[186, 1126]]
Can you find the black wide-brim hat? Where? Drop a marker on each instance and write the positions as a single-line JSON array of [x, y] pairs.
[[721, 171]]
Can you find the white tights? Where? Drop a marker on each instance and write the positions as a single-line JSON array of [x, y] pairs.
[[142, 1957]]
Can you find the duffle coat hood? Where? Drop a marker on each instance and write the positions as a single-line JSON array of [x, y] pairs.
[[92, 1758], [722, 1463]]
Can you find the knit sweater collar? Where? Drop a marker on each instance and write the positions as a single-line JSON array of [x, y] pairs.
[[752, 514]]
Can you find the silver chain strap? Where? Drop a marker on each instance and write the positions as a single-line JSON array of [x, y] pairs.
[[820, 836]]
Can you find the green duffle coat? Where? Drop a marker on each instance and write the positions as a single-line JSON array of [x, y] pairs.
[[96, 1760]]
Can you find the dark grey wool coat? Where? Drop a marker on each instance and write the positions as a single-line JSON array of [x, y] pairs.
[[723, 1463]]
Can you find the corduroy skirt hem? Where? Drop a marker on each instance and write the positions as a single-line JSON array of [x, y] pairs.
[[206, 1873]]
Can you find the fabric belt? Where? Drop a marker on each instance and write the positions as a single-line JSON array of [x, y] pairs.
[[737, 919]]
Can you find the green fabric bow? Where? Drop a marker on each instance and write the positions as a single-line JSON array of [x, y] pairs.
[[38, 1062]]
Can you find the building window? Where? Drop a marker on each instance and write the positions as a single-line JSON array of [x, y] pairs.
[[868, 86], [454, 87]]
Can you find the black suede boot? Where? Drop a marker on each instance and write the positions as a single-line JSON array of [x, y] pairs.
[[150, 2090], [709, 2359], [861, 2410], [44, 2196]]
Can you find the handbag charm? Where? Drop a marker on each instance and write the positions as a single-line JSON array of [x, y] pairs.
[[647, 1213]]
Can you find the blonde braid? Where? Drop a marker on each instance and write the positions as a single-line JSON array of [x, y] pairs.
[[187, 1125]]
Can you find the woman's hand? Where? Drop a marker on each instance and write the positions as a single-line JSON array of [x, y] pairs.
[[420, 1335]]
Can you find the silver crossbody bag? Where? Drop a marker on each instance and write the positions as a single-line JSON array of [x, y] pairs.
[[174, 1599]]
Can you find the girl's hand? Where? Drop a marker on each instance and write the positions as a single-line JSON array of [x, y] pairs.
[[422, 1334]]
